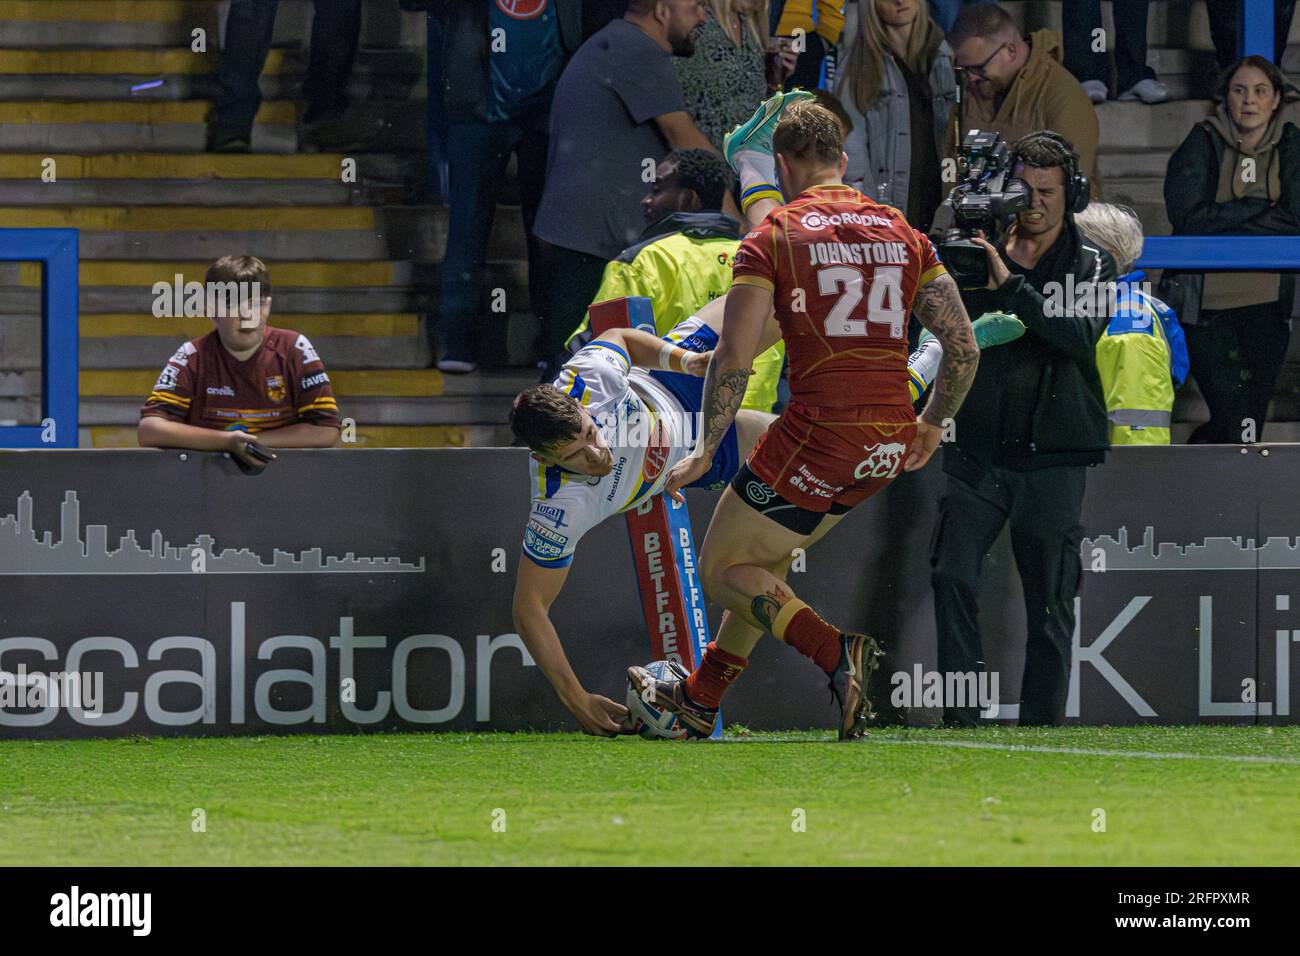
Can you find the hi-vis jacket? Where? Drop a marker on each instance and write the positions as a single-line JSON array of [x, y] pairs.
[[1142, 358]]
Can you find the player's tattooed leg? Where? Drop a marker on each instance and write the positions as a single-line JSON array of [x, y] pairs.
[[768, 605]]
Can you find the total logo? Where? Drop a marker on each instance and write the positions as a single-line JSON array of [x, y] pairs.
[[816, 221]]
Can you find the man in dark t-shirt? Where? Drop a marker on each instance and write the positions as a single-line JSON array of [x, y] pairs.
[[241, 380], [618, 109]]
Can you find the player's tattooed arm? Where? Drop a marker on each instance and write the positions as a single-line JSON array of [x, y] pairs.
[[938, 307], [724, 391], [745, 317]]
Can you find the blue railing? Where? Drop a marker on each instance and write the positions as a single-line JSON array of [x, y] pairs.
[[56, 250], [1220, 253], [1255, 31]]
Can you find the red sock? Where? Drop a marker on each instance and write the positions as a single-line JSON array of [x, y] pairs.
[[803, 629], [714, 675]]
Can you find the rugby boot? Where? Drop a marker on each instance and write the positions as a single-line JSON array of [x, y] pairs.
[[849, 682]]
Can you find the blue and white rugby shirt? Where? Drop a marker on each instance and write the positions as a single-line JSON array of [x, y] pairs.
[[647, 431]]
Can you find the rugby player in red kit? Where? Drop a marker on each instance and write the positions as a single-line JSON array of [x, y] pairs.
[[843, 274]]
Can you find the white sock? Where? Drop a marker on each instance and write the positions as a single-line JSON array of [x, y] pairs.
[[754, 167], [923, 364]]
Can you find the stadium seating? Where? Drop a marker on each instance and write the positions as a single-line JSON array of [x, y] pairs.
[[354, 265]]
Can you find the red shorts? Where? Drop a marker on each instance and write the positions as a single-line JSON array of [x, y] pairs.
[[813, 456]]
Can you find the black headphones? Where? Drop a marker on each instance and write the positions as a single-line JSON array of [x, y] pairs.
[[1078, 191]]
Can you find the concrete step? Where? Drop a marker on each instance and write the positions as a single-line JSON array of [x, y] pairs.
[[365, 83], [208, 179], [177, 126], [123, 286], [213, 193], [356, 325], [1133, 164], [142, 341], [204, 167], [373, 382], [116, 23], [338, 232], [1133, 126], [1131, 189], [344, 352], [490, 410], [139, 62]]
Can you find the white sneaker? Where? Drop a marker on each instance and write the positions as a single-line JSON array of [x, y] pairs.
[[1148, 91], [454, 366], [1096, 90]]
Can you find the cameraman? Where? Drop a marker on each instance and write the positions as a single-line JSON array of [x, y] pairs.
[[1034, 418]]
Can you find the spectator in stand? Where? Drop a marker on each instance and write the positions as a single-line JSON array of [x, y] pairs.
[[618, 109], [1136, 81], [327, 122], [1142, 355], [683, 259], [945, 12], [1224, 15], [1016, 85], [821, 22], [726, 77], [497, 98], [898, 86], [1236, 173], [244, 387]]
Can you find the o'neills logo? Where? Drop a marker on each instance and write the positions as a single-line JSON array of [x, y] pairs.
[[816, 220], [656, 454]]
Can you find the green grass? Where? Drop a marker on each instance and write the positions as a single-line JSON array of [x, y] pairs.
[[902, 797]]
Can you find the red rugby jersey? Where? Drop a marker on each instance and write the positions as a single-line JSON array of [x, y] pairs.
[[843, 271], [282, 383]]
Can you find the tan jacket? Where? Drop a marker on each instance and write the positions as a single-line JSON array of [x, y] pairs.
[[1045, 95]]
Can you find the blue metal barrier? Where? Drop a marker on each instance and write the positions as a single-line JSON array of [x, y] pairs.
[[1254, 28], [56, 250], [1221, 253]]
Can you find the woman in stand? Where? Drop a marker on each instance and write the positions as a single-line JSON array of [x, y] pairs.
[[899, 88], [1237, 173], [726, 78]]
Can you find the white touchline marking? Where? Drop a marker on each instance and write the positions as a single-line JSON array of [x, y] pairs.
[[1136, 754]]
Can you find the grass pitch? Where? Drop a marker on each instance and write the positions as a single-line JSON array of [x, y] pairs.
[[1170, 796]]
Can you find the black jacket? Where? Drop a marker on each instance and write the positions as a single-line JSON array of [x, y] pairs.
[[1037, 402], [463, 59], [1191, 184]]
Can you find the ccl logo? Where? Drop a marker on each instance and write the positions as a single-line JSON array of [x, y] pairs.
[[882, 461]]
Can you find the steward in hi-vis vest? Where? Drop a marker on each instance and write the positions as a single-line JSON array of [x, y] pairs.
[[1142, 359]]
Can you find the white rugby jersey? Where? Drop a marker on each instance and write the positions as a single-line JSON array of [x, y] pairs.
[[647, 431]]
